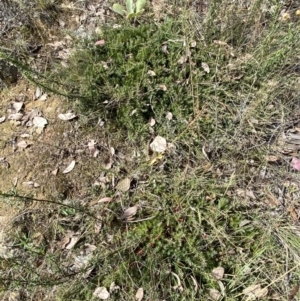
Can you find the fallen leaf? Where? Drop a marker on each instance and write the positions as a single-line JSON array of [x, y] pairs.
[[25, 135], [105, 200], [67, 116], [69, 240], [169, 116], [151, 121], [250, 194], [2, 119], [39, 122], [70, 167], [178, 285], [164, 49], [159, 144], [129, 213], [214, 294], [17, 106], [112, 151], [96, 153], [295, 163], [16, 116], [123, 185], [15, 181], [293, 213], [72, 242], [22, 144], [218, 273], [271, 158], [38, 93], [205, 67], [163, 87], [151, 73], [101, 293], [113, 287], [54, 172], [254, 292], [193, 44], [139, 294], [100, 42], [182, 60], [195, 283], [43, 97], [91, 145]]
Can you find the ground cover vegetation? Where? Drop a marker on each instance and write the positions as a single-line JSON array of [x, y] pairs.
[[185, 138]]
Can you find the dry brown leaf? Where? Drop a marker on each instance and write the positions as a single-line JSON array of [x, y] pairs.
[[214, 294], [164, 49], [15, 181], [159, 144], [17, 106], [22, 144], [43, 97], [101, 293], [129, 213], [178, 285], [205, 67], [254, 292], [151, 121], [271, 158], [218, 273], [54, 172], [139, 294], [151, 73], [67, 116], [193, 44], [70, 167], [112, 151], [91, 145], [113, 287], [123, 185], [293, 213], [250, 194], [182, 60], [105, 200], [39, 122], [69, 240], [163, 87], [169, 116], [38, 93]]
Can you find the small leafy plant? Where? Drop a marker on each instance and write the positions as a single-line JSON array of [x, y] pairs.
[[131, 10]]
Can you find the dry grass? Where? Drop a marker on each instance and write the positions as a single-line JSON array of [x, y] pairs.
[[224, 196]]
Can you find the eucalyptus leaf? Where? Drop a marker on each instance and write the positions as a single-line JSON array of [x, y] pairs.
[[140, 4], [129, 6], [119, 9]]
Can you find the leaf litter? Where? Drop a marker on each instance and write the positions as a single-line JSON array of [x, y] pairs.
[[101, 293], [123, 185], [159, 144], [70, 167]]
